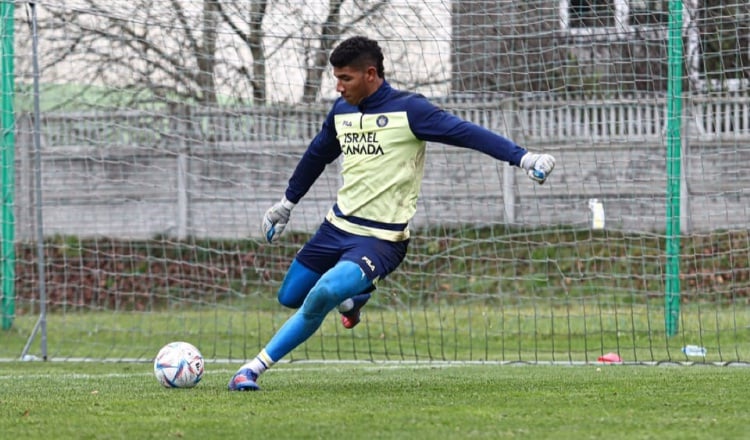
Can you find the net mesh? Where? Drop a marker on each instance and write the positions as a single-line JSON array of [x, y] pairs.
[[168, 128]]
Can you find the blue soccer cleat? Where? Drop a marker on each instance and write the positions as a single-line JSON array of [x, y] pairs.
[[244, 380]]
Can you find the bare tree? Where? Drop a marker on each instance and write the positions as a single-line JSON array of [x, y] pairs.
[[331, 32], [160, 51], [205, 51], [185, 51], [316, 39], [253, 38]]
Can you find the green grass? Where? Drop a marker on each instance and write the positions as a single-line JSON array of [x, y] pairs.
[[562, 332], [463, 299], [64, 400]]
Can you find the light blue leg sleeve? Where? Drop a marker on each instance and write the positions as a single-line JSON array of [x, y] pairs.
[[297, 283], [343, 281]]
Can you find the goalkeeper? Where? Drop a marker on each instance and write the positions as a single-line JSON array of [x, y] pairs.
[[381, 133]]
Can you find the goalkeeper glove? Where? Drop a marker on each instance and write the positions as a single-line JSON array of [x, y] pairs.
[[276, 219], [538, 166]]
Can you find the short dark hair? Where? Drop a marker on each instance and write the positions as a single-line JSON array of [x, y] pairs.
[[359, 52]]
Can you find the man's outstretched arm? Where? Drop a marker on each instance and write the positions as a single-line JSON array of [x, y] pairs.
[[433, 124]]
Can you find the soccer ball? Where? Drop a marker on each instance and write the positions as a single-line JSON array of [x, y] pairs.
[[178, 365]]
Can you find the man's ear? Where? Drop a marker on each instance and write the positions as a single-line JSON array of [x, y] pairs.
[[371, 74]]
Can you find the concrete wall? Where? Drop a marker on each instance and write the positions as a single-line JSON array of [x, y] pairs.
[[222, 190]]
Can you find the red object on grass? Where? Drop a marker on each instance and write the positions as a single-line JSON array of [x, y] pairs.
[[610, 357]]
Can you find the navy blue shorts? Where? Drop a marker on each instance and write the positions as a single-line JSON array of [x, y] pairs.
[[329, 245]]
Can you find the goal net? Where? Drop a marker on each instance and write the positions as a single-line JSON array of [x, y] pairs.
[[144, 140]]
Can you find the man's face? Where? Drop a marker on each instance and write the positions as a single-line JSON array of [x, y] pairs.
[[354, 84]]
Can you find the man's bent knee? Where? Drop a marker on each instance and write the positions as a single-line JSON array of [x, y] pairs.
[[322, 298], [343, 281]]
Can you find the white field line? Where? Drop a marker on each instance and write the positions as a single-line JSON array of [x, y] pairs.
[[310, 366], [228, 367]]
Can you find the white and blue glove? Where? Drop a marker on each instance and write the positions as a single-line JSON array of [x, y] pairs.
[[276, 219], [538, 166]]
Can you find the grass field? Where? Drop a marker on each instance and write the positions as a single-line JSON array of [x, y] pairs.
[[66, 400], [477, 332], [516, 316]]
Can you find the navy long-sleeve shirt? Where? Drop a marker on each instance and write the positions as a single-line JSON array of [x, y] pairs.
[[383, 143]]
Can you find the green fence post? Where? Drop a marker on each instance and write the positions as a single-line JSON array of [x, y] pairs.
[[674, 121], [7, 163]]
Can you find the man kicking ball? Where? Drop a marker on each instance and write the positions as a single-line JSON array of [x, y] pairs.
[[382, 134]]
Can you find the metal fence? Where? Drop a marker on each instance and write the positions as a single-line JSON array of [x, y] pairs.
[[194, 171]]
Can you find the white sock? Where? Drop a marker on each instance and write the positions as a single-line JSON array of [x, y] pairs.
[[261, 363], [346, 305]]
